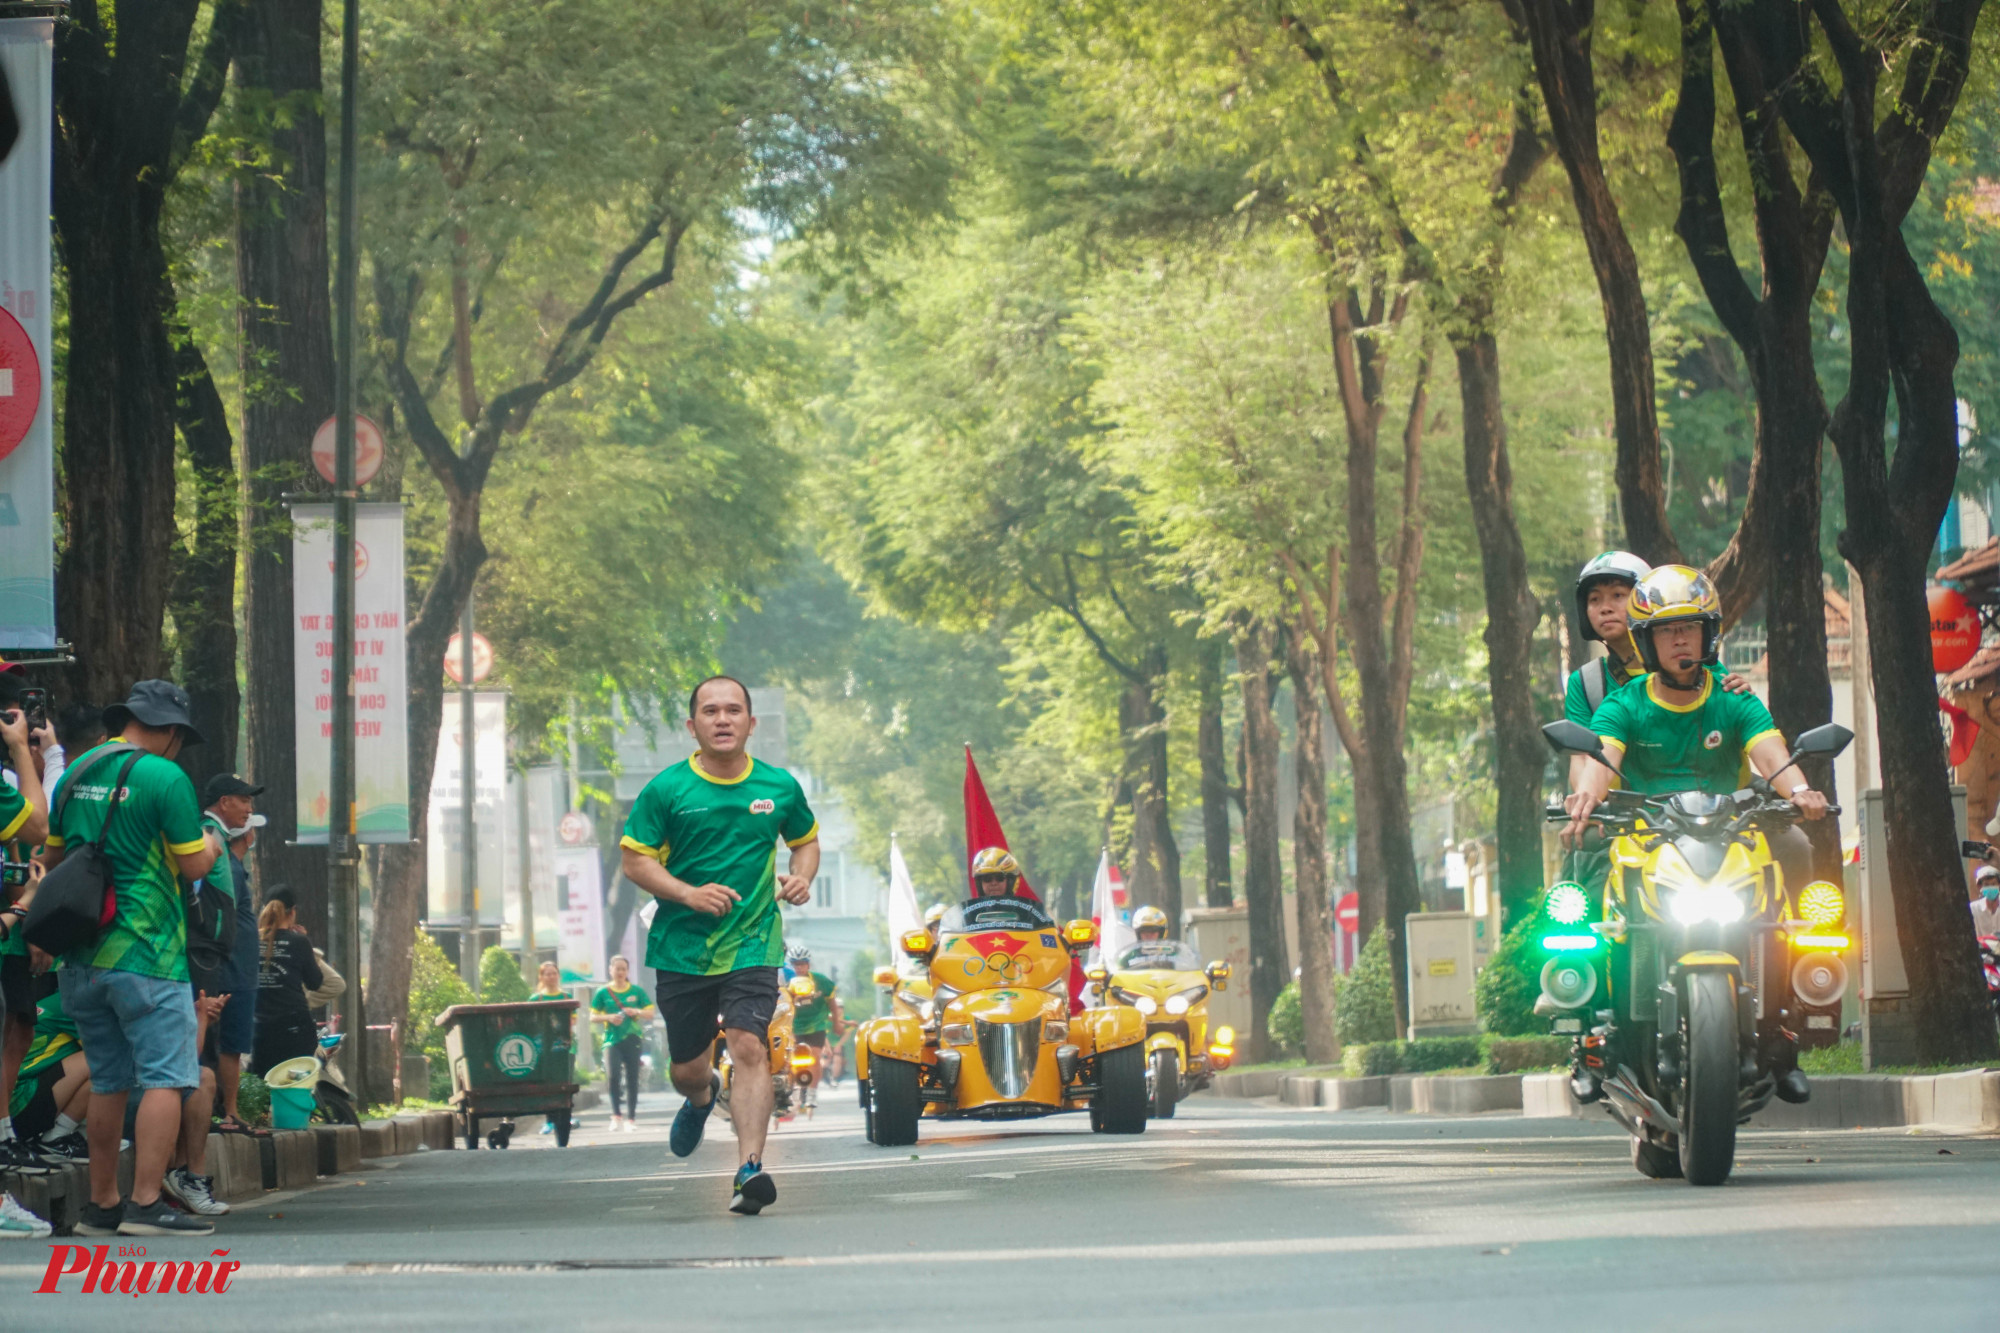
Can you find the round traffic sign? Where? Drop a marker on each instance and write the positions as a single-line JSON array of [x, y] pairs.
[[20, 383], [1348, 911], [482, 659], [367, 449], [1954, 629], [573, 828]]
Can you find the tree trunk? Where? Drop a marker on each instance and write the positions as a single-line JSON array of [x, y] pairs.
[[1217, 890], [1263, 877], [1309, 878], [284, 324], [1512, 614], [1156, 858], [204, 591], [118, 110], [1559, 34]]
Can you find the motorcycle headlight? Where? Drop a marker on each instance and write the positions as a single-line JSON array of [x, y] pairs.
[[1177, 1004], [1697, 903], [1146, 1004]]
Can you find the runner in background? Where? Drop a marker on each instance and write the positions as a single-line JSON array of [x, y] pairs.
[[624, 1009], [548, 986]]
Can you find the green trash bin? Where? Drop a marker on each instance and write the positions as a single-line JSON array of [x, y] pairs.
[[509, 1060]]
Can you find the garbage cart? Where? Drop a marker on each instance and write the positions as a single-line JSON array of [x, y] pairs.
[[511, 1060]]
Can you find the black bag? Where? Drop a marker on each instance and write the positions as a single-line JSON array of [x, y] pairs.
[[77, 900], [211, 925]]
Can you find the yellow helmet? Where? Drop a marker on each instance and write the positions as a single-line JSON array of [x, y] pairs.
[[1668, 596], [933, 916], [1149, 918], [993, 861]]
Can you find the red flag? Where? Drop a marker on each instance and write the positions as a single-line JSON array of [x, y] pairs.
[[1964, 732], [982, 826]]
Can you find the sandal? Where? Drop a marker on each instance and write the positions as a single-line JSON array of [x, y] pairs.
[[229, 1124]]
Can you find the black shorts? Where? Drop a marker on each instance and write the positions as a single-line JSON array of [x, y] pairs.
[[816, 1040], [696, 1008], [20, 989]]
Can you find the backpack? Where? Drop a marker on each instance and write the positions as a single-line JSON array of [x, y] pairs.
[[211, 926], [78, 899], [1597, 682]]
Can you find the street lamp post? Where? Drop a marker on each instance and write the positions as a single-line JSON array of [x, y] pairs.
[[342, 852]]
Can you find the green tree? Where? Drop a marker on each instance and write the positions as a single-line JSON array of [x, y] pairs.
[[500, 979], [435, 986]]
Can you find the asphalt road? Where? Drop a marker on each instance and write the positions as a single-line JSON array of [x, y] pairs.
[[1232, 1215]]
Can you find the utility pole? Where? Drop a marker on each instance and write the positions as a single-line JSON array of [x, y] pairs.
[[342, 854], [468, 861]]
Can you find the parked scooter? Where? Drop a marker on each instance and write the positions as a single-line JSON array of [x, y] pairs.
[[333, 1104]]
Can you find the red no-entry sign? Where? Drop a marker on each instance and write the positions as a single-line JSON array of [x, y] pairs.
[[1348, 912], [20, 383]]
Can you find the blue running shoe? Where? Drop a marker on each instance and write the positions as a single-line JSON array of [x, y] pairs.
[[755, 1190], [685, 1136]]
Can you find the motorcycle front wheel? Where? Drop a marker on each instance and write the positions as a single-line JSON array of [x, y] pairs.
[[333, 1107], [1709, 1084]]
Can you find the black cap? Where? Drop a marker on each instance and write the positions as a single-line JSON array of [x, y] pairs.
[[227, 784], [157, 703]]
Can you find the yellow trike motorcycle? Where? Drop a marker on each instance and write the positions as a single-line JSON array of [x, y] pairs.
[[1165, 982], [995, 1038], [1685, 988]]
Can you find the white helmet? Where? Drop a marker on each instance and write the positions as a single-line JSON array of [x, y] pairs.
[[1611, 567]]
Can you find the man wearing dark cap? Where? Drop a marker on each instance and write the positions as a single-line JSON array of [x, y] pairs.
[[229, 803], [127, 991]]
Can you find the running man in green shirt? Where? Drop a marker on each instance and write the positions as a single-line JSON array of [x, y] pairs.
[[624, 1009], [702, 838]]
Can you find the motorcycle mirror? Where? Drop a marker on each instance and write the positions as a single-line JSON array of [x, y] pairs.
[[1822, 742], [1568, 737]]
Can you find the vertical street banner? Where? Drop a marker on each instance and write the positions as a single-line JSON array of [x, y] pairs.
[[580, 920], [497, 875], [27, 378], [381, 692]]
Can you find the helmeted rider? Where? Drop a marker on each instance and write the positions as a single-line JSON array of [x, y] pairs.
[[995, 874], [1603, 596], [1149, 925], [813, 1019], [931, 919], [1675, 730]]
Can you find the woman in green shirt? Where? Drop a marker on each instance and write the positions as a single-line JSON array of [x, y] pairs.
[[624, 1010]]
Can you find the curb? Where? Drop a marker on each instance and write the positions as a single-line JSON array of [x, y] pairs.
[[244, 1167], [1965, 1101]]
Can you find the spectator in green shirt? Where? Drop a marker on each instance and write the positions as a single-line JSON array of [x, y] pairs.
[[127, 991]]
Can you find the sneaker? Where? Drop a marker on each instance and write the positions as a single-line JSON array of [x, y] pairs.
[[17, 1223], [21, 1158], [755, 1190], [194, 1193], [617, 1123], [69, 1148], [548, 1127], [160, 1218], [631, 1125], [100, 1221], [691, 1120]]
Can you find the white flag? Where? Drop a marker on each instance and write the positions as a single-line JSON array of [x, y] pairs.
[[904, 916], [1114, 933]]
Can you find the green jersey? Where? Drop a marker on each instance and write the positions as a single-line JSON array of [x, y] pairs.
[[547, 995], [13, 814], [706, 830], [1576, 698], [1697, 746], [813, 1015], [157, 819], [55, 1041], [625, 1004]]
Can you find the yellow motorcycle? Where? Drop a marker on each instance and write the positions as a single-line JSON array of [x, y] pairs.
[[1165, 982], [1705, 958], [783, 1049], [995, 1039]]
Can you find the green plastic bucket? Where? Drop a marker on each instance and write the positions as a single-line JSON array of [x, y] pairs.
[[291, 1108]]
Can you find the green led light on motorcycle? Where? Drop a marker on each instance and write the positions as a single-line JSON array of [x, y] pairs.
[[1569, 943], [1568, 904]]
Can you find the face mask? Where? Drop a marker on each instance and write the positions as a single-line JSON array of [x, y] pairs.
[[1991, 893]]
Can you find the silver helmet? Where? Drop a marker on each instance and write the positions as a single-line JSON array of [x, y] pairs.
[[1612, 566]]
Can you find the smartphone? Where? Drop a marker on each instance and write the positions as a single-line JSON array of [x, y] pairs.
[[35, 703], [1974, 851]]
